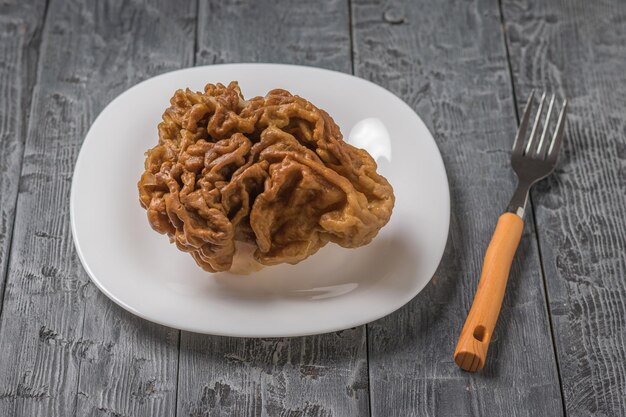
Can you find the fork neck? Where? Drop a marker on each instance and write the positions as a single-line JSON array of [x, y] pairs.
[[520, 198]]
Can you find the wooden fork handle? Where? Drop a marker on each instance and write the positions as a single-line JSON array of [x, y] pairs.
[[471, 351]]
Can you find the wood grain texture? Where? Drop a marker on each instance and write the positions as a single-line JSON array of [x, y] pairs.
[[448, 62], [578, 50], [308, 376], [20, 27], [311, 376], [283, 31], [64, 348]]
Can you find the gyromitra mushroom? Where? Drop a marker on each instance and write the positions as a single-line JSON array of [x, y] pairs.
[[271, 171]]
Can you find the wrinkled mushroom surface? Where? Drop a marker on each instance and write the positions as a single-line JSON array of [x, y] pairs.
[[271, 171]]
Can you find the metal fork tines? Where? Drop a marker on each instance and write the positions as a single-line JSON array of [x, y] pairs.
[[534, 158]]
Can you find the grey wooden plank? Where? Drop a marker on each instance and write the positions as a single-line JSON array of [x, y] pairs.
[[448, 61], [20, 26], [64, 348], [312, 376], [283, 31], [577, 49], [307, 376]]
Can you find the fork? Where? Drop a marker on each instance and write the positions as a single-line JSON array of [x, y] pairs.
[[532, 160]]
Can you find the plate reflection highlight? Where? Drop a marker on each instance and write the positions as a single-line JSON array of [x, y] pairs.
[[372, 135]]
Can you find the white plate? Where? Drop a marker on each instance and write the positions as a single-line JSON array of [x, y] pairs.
[[334, 289]]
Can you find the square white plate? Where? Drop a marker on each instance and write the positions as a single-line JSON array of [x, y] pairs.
[[334, 289]]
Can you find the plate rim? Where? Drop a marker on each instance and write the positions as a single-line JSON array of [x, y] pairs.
[[326, 329]]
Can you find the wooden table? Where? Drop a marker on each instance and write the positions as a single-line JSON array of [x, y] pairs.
[[466, 67]]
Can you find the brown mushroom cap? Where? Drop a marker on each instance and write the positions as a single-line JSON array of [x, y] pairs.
[[272, 171]]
